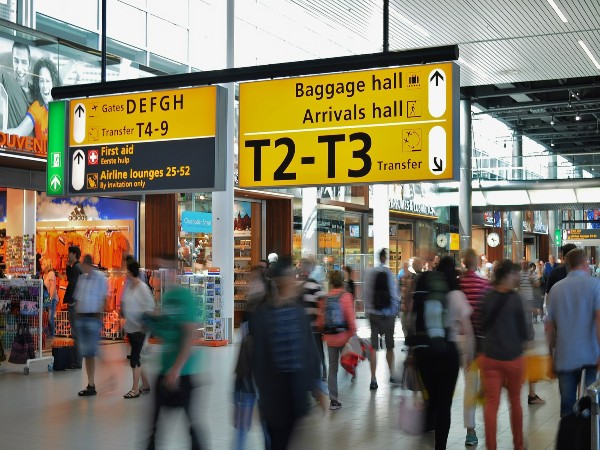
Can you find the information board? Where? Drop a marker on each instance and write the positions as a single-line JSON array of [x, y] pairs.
[[375, 126], [581, 237], [150, 142]]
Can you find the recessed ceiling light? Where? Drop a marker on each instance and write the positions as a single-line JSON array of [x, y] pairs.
[[410, 23], [557, 11], [470, 66], [552, 121], [589, 54], [577, 117], [551, 143]]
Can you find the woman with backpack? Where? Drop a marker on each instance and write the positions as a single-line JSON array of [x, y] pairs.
[[502, 364], [338, 325], [441, 312]]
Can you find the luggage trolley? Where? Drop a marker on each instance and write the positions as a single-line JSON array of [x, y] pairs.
[[21, 305]]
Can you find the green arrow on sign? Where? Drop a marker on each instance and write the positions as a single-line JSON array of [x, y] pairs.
[[57, 129]]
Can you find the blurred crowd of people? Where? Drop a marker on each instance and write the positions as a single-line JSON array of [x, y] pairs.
[[297, 332], [468, 315]]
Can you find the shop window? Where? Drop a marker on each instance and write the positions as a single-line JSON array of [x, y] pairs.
[[127, 24], [175, 11], [175, 47], [81, 13]]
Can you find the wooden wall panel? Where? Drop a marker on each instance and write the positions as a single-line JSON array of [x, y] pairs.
[[256, 230], [495, 253], [278, 226], [161, 227]]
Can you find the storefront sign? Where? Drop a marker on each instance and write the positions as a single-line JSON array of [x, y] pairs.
[[196, 222], [165, 141], [582, 238], [377, 126], [411, 206]]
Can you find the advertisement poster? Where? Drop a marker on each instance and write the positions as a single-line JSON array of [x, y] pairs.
[[27, 76], [242, 217], [592, 215], [29, 69]]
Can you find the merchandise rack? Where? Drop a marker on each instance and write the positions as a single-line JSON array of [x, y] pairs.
[[28, 296]]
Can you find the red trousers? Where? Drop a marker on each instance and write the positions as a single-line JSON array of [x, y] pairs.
[[494, 375]]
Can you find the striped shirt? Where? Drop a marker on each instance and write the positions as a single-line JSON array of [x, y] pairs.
[[475, 287], [526, 290], [312, 293]]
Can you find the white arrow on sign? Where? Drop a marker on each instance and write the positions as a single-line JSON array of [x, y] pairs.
[[78, 170], [79, 114], [437, 150], [437, 92], [55, 183]]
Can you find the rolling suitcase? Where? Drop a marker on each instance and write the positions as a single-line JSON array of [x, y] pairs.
[[593, 392], [575, 429]]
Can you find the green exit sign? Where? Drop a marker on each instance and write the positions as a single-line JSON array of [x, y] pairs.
[[557, 238], [57, 131]]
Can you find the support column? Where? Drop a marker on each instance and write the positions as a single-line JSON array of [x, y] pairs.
[[553, 168], [20, 212], [381, 219], [517, 155], [517, 223], [465, 214], [552, 226], [222, 202], [309, 222]]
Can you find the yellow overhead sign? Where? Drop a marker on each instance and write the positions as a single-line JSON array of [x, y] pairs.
[[144, 117], [376, 126]]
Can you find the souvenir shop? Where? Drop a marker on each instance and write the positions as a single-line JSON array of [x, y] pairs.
[[36, 232]]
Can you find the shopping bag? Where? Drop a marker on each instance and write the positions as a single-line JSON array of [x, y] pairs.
[[22, 346], [355, 350], [2, 354], [411, 378], [538, 368], [412, 413]]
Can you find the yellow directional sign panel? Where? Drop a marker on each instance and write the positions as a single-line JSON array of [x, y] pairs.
[[375, 126], [143, 117]]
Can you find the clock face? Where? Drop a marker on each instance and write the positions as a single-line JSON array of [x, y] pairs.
[[441, 240], [493, 239]]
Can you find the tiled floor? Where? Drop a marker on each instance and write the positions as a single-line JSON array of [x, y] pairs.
[[42, 411]]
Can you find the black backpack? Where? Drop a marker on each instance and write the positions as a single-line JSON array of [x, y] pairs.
[[382, 297], [429, 312]]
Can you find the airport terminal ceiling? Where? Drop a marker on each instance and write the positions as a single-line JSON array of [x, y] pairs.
[[535, 64]]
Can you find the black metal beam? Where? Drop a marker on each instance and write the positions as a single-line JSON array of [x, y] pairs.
[[269, 71], [386, 26], [103, 46], [537, 105], [532, 91]]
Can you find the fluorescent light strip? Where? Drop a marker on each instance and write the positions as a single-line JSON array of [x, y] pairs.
[[11, 155], [410, 23], [558, 11], [590, 54], [479, 72]]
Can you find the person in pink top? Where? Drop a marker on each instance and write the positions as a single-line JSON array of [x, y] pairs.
[[336, 337]]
